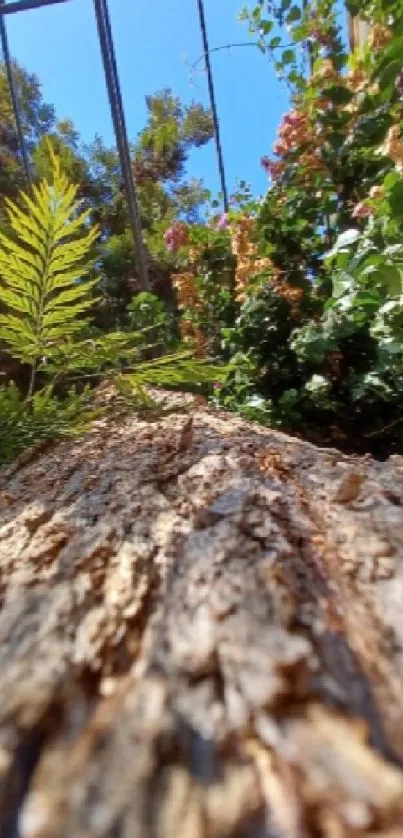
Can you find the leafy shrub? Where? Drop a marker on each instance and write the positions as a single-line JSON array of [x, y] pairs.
[[315, 327], [23, 423], [204, 281], [147, 315]]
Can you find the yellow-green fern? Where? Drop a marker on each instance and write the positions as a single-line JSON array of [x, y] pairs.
[[44, 269]]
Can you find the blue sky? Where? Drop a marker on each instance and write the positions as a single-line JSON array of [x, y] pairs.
[[156, 42]]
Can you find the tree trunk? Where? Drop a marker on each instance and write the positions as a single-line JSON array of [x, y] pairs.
[[201, 636]]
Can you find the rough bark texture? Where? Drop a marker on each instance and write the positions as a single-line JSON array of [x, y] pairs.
[[201, 635]]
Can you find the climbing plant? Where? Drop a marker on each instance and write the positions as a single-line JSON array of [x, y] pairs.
[[315, 337]]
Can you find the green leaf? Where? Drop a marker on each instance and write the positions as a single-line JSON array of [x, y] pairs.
[[288, 56], [396, 199], [391, 179], [266, 26], [391, 278], [344, 241], [293, 15]]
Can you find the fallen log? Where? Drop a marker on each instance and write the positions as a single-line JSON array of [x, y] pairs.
[[201, 635]]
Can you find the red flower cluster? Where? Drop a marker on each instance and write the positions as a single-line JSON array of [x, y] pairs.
[[176, 236], [293, 132], [274, 168]]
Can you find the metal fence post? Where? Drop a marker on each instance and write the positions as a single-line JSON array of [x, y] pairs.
[[210, 81], [119, 123], [14, 97]]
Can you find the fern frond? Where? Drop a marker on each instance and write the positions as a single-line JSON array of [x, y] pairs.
[[24, 304], [32, 231], [44, 268], [58, 316], [37, 211], [71, 295], [24, 257], [177, 371]]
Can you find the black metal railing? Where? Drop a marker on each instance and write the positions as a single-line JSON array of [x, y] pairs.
[[117, 110]]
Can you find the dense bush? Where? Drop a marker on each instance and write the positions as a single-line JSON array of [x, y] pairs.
[[314, 296]]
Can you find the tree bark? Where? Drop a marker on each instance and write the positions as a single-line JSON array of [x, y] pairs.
[[200, 636]]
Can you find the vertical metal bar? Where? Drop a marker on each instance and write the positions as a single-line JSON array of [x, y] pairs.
[[119, 123], [213, 103], [14, 98]]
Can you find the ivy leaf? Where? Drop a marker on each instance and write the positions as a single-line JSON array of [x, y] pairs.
[[391, 278], [266, 26], [343, 241], [391, 179], [256, 15], [243, 14], [293, 15], [288, 56], [389, 73], [396, 199], [342, 283]]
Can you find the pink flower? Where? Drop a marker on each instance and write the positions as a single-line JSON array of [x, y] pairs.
[[169, 240], [217, 385], [273, 168], [223, 222], [279, 147], [176, 236], [293, 119], [361, 210]]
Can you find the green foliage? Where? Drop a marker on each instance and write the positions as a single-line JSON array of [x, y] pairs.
[[44, 269], [171, 131], [48, 416], [301, 294], [178, 371], [23, 423], [263, 367], [315, 345], [148, 315], [46, 291], [37, 118], [159, 157], [62, 143], [215, 280]]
